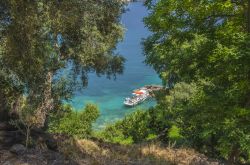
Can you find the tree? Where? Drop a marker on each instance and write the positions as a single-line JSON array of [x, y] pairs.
[[41, 38], [26, 122], [207, 43]]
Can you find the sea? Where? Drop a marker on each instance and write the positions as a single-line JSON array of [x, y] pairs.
[[109, 94]]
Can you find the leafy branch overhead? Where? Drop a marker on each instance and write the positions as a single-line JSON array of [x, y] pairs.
[[39, 39], [202, 48]]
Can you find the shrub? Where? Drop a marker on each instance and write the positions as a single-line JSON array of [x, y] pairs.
[[134, 128], [78, 124]]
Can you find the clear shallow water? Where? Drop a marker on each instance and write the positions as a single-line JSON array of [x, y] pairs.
[[109, 94]]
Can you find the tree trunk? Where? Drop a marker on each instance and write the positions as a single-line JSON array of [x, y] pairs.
[[3, 108], [27, 136], [47, 103], [234, 155]]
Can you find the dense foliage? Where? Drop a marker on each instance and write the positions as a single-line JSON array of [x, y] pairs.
[[72, 122], [38, 39], [205, 44], [141, 126], [133, 128], [200, 49]]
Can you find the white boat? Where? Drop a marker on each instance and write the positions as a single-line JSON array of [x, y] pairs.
[[138, 97], [141, 94]]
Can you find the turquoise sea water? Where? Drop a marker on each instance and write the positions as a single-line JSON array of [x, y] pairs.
[[109, 94]]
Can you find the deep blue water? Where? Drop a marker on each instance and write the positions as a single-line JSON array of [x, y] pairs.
[[109, 94]]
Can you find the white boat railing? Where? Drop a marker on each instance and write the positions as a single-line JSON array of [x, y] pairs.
[[141, 94]]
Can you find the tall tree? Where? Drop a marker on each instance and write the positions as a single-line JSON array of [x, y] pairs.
[[207, 43], [40, 38]]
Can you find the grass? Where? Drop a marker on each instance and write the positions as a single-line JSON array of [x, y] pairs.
[[96, 152]]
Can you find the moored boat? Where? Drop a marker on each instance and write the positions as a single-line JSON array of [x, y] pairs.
[[141, 94], [138, 96]]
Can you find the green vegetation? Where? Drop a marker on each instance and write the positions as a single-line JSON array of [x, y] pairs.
[[200, 49], [71, 122], [139, 127], [39, 39], [133, 128], [25, 123]]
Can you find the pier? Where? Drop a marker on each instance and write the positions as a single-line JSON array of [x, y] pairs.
[[153, 88]]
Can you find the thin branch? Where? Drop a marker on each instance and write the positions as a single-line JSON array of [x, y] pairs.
[[221, 16]]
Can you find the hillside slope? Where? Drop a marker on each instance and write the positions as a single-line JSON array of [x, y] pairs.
[[94, 152]]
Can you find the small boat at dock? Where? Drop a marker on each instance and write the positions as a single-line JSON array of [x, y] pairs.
[[138, 96], [141, 94]]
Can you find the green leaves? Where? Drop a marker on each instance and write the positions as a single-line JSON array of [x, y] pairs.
[[134, 128], [39, 39], [206, 45], [73, 123], [174, 133]]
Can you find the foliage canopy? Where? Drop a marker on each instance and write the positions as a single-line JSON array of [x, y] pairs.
[[38, 39], [202, 50], [71, 122]]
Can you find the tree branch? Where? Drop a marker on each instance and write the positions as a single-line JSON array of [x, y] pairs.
[[221, 16]]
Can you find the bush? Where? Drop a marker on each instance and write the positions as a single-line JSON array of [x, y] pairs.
[[134, 128], [78, 124]]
